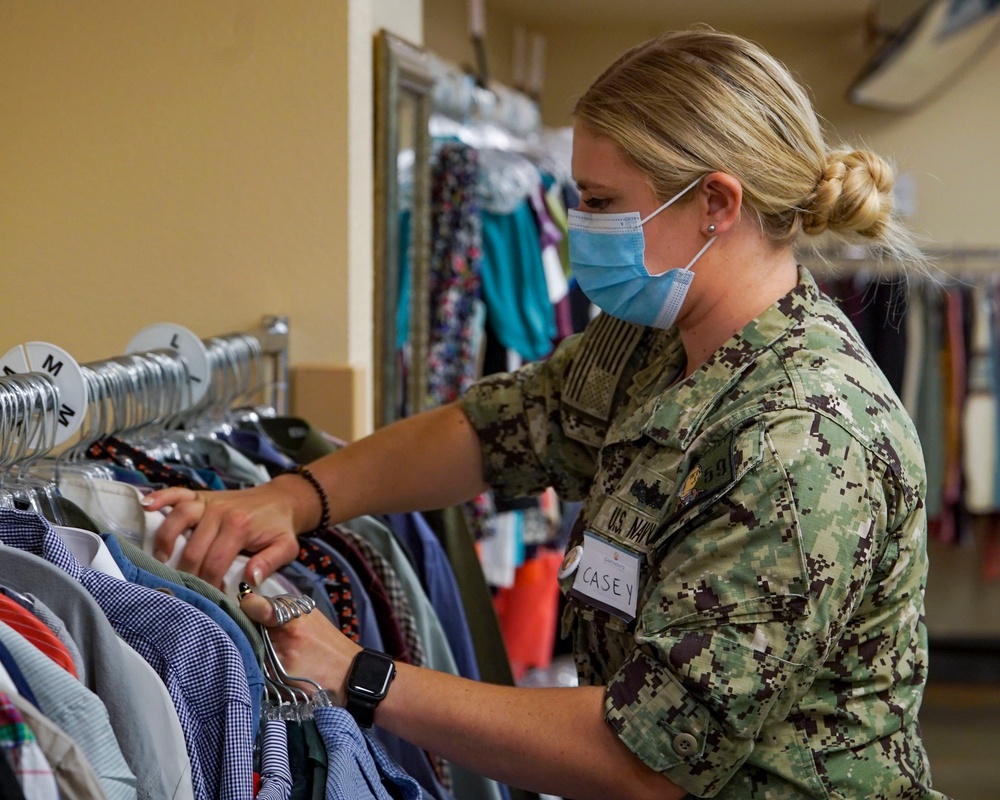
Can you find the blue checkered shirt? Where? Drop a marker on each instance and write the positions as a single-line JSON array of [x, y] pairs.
[[358, 767], [197, 662]]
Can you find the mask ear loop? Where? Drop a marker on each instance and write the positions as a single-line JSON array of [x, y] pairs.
[[672, 200], [698, 255]]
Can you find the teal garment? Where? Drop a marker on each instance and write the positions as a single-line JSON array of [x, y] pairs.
[[514, 288], [403, 301]]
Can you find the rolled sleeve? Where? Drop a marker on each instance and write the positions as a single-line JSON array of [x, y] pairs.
[[695, 718]]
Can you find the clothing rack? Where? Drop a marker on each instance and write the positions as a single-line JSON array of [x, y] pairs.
[[498, 109], [132, 391], [140, 421], [952, 395], [274, 339], [29, 403], [944, 262]]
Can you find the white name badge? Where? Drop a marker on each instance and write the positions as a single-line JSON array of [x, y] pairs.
[[607, 577]]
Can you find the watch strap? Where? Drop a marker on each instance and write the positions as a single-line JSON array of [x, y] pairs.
[[362, 709]]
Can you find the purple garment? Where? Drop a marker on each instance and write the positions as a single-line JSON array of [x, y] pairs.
[[548, 232]]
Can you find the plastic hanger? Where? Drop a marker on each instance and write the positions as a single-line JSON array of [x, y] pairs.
[[29, 432]]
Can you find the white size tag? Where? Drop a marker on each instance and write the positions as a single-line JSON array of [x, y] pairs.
[[168, 336], [65, 373], [607, 577]]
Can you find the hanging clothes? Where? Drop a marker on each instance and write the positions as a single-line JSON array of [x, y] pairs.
[[455, 274], [77, 711], [213, 704], [979, 433], [113, 671], [173, 664], [74, 775]]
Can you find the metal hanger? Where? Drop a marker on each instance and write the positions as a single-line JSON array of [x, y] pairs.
[[302, 704]]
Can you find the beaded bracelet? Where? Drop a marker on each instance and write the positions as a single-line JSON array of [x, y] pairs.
[[324, 500]]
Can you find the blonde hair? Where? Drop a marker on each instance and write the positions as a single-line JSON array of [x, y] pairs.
[[692, 102]]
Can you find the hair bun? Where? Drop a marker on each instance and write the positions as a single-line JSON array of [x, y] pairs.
[[853, 194]]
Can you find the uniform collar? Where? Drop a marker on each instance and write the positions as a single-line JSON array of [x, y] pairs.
[[676, 416]]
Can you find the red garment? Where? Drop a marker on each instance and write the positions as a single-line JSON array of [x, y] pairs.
[[528, 611], [35, 631], [991, 548]]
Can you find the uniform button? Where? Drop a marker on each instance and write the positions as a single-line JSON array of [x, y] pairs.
[[570, 562], [685, 744]]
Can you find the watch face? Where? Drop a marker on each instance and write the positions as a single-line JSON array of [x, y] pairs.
[[371, 674]]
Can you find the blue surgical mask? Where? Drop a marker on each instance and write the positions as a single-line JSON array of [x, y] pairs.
[[606, 253]]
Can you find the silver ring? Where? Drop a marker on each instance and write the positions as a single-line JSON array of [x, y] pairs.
[[290, 606]]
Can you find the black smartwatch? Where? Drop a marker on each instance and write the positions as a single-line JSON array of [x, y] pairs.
[[367, 684]]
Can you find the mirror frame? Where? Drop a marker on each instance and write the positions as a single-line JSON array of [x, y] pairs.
[[400, 72]]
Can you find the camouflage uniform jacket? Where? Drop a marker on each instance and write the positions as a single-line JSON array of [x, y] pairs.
[[774, 499]]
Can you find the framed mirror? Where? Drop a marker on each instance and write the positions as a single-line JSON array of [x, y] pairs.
[[403, 87]]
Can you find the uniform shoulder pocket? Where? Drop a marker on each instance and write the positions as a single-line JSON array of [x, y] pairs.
[[712, 466]]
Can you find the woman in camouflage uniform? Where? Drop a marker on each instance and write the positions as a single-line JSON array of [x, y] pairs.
[[745, 581]]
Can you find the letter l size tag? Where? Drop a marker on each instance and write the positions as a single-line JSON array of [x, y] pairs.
[[607, 578]]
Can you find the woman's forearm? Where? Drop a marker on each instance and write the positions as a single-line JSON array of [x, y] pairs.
[[431, 460], [547, 740]]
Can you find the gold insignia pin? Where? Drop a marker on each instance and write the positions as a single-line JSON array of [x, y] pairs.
[[688, 491]]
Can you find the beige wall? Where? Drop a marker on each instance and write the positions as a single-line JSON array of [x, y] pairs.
[[183, 162], [403, 17], [446, 33], [199, 163]]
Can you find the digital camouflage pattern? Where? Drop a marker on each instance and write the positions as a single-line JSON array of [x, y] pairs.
[[775, 498]]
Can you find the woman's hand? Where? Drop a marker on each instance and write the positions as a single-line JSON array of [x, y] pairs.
[[261, 520], [429, 460], [308, 647]]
